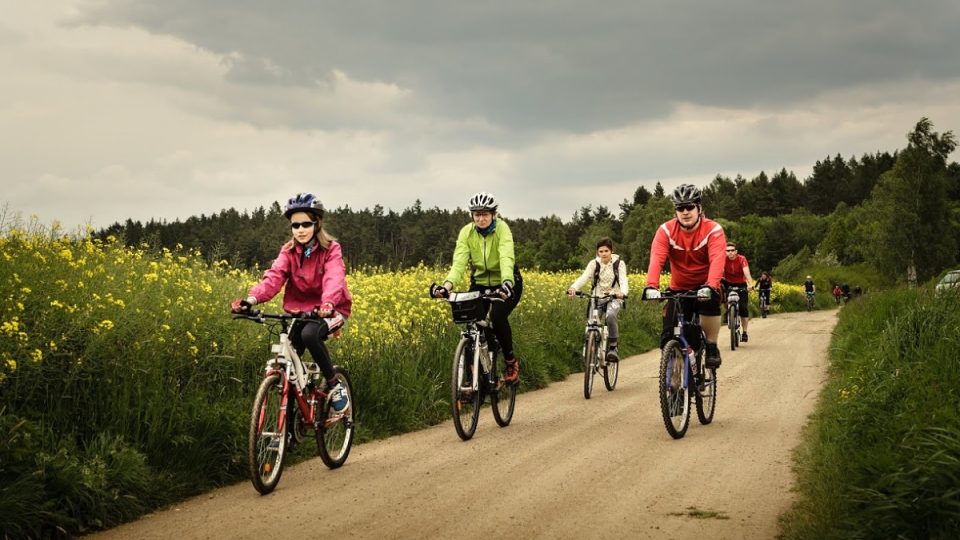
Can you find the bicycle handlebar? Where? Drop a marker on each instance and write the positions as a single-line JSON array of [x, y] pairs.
[[258, 316], [581, 294]]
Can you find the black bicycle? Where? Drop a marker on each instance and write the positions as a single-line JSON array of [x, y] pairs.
[[764, 303], [477, 370], [682, 372]]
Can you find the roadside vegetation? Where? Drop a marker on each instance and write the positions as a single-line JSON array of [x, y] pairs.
[[881, 457]]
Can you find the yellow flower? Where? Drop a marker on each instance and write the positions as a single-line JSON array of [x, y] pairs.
[[36, 355], [194, 350], [105, 325], [66, 254], [25, 290]]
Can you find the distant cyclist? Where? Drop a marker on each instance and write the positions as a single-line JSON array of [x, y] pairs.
[[736, 275], [694, 245], [609, 275], [764, 286], [487, 246], [810, 289]]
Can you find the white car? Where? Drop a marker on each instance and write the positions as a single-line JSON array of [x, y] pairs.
[[949, 281]]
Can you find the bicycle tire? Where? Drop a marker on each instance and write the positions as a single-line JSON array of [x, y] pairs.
[[706, 396], [503, 400], [589, 357], [733, 321], [611, 370], [674, 395], [335, 432], [265, 459], [464, 407], [763, 309]]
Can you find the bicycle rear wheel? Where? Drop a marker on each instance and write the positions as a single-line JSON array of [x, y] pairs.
[[611, 370], [733, 321], [504, 399], [592, 343], [267, 438], [674, 394], [464, 401], [335, 431], [706, 396]]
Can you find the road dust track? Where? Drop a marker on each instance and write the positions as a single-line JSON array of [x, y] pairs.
[[565, 468]]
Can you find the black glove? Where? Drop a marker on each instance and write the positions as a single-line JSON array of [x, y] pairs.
[[506, 290], [438, 291]]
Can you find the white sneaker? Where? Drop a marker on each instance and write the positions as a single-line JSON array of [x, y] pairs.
[[339, 398]]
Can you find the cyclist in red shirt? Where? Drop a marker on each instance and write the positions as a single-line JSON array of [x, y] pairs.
[[736, 275], [694, 245]]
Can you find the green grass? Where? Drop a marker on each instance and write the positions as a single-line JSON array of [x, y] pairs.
[[881, 457]]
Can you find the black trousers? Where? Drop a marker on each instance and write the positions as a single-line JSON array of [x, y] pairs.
[[499, 313]]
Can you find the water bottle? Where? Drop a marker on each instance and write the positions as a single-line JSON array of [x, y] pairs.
[[485, 358]]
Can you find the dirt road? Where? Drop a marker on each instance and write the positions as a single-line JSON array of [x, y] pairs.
[[565, 468]]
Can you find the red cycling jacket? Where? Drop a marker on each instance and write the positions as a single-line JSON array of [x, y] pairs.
[[696, 257]]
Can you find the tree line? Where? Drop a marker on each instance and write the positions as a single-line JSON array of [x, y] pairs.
[[898, 212]]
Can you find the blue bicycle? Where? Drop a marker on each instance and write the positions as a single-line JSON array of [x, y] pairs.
[[682, 372]]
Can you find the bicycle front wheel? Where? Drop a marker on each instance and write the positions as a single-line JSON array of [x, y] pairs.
[[674, 392], [590, 361], [335, 431], [611, 370], [733, 321], [267, 439], [504, 399], [706, 396], [763, 309], [464, 399]]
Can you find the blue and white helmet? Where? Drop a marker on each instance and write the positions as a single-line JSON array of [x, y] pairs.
[[303, 202], [483, 201]]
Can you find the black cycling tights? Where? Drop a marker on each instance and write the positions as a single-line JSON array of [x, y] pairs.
[[499, 311], [310, 335]]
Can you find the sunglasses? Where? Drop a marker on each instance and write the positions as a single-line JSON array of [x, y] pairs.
[[686, 207], [730, 250], [304, 224]]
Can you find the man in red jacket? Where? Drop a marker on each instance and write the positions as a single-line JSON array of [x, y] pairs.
[[694, 245]]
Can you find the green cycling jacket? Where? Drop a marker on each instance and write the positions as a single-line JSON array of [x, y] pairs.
[[491, 257]]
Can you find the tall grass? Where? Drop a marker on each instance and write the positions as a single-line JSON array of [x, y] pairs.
[[125, 384], [881, 457]]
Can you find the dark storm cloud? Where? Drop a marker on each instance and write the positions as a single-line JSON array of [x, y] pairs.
[[566, 66]]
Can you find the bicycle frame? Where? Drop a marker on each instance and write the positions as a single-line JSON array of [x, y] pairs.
[[596, 322], [689, 367], [294, 373], [476, 333]]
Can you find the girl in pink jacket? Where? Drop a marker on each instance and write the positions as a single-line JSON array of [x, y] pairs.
[[311, 267]]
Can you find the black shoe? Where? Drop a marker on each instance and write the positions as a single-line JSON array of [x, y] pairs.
[[612, 355], [713, 356], [743, 337]]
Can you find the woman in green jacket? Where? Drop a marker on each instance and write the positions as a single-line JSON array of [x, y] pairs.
[[487, 245]]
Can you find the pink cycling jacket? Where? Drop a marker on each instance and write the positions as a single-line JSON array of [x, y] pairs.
[[320, 279]]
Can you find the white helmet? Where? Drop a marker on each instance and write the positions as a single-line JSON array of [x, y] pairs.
[[483, 201]]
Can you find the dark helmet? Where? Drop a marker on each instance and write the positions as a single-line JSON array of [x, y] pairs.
[[303, 202], [483, 201], [686, 194]]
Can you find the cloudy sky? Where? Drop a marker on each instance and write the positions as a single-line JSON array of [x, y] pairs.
[[112, 109]]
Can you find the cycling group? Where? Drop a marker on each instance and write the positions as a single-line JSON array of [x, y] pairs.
[[316, 302]]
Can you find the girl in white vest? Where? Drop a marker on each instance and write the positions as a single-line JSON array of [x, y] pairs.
[[609, 275]]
